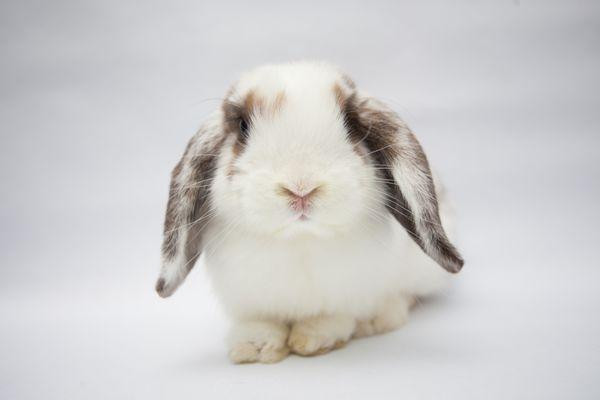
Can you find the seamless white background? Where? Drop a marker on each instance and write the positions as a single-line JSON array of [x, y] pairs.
[[97, 101]]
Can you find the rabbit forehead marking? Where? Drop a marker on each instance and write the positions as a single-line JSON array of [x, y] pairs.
[[250, 105], [257, 104]]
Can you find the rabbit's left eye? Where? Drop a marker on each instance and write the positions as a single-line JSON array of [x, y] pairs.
[[243, 127]]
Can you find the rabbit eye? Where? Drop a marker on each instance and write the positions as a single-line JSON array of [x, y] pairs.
[[243, 127]]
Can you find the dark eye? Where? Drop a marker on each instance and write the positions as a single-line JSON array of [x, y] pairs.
[[243, 127]]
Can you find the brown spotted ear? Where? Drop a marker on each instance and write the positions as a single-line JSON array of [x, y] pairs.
[[399, 158], [188, 208]]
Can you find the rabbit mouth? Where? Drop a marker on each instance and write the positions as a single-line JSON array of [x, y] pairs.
[[303, 217], [307, 225]]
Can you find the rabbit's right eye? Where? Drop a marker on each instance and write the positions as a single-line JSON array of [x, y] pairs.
[[243, 127]]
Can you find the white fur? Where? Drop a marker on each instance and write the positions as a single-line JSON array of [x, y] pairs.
[[339, 266], [392, 314], [351, 268]]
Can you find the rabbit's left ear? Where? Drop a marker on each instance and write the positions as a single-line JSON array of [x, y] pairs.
[[188, 208], [399, 158]]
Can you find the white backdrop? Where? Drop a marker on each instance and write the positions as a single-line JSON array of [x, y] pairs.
[[99, 98]]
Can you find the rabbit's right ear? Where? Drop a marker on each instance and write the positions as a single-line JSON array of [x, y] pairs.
[[188, 208]]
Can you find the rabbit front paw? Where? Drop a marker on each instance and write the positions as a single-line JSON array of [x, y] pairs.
[[320, 335], [258, 341]]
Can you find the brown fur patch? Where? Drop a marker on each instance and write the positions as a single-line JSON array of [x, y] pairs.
[[277, 104], [251, 106], [348, 81], [160, 285], [344, 91], [254, 104], [171, 234], [388, 140], [189, 201], [340, 96], [243, 111]]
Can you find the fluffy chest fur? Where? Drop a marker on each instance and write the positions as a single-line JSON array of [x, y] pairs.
[[291, 279]]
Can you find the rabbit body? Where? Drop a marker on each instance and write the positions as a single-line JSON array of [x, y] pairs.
[[353, 274], [315, 210]]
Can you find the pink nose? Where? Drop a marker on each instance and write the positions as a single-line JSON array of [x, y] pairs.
[[299, 201]]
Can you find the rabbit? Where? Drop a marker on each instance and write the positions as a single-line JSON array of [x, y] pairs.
[[315, 210]]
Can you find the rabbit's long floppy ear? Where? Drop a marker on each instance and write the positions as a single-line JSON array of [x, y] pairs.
[[399, 158], [188, 208]]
